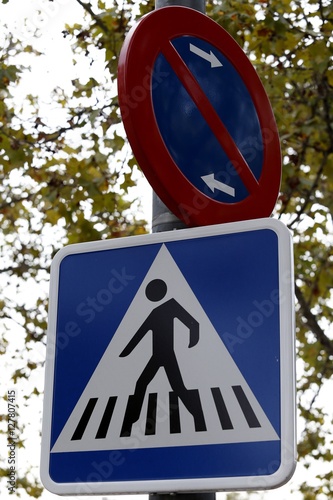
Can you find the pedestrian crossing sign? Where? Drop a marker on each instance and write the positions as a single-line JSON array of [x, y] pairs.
[[170, 363]]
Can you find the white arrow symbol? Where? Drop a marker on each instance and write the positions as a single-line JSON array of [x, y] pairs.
[[214, 62], [213, 184]]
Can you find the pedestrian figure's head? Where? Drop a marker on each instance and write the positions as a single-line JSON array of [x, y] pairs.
[[156, 290]]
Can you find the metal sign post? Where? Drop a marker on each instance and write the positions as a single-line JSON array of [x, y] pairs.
[[164, 220]]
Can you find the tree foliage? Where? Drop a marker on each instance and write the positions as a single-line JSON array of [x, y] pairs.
[[69, 180]]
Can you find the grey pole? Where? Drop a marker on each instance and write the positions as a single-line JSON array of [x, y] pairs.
[[183, 496], [163, 219], [193, 4]]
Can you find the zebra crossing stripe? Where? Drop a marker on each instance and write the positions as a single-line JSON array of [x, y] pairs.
[[221, 409], [83, 422], [247, 409], [106, 419], [150, 429], [199, 419], [174, 413]]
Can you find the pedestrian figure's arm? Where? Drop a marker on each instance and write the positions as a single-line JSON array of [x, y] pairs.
[[144, 328], [191, 324], [194, 333]]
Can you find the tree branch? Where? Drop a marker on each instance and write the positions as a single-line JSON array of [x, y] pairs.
[[87, 8], [310, 192], [313, 323]]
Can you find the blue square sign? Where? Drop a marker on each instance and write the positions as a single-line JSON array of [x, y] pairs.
[[170, 363]]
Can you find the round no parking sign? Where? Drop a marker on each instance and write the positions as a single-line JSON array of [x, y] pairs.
[[198, 119]]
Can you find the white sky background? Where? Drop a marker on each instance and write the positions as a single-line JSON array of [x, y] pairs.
[[55, 68]]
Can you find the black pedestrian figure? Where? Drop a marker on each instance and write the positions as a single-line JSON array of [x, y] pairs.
[[161, 323]]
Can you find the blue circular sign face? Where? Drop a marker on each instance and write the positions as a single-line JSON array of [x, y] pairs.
[[198, 119], [194, 143]]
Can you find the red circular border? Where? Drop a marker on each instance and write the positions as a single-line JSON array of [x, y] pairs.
[[139, 52]]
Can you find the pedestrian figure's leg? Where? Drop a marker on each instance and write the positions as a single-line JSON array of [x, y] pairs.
[[197, 412], [135, 402], [190, 398], [129, 417]]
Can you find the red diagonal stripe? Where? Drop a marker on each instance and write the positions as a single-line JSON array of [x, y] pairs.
[[210, 115]]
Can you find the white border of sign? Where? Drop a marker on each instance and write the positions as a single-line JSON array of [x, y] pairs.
[[287, 345]]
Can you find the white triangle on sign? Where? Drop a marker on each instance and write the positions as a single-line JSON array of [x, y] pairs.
[[206, 367]]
